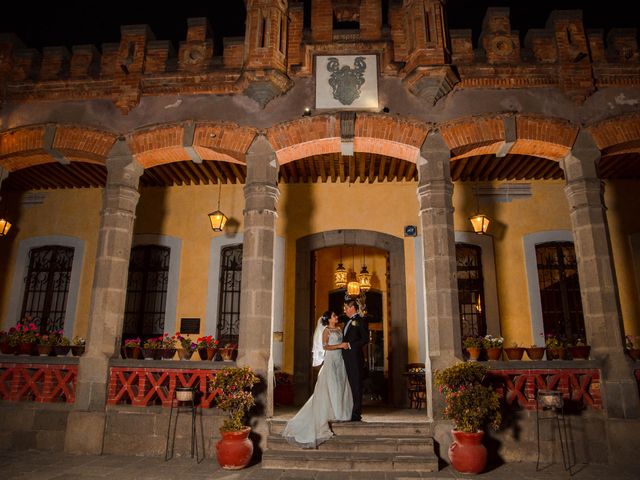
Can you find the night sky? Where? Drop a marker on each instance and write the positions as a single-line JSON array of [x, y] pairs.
[[88, 22]]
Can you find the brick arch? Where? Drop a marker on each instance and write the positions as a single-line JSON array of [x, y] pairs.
[[32, 145], [166, 143], [543, 137], [617, 135], [373, 133]]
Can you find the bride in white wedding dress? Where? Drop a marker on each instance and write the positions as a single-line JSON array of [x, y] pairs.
[[331, 399]]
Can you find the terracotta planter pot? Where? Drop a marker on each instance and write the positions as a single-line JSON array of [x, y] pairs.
[[26, 349], [207, 354], [556, 353], [494, 353], [61, 350], [185, 354], [467, 453], [77, 350], [535, 353], [514, 353], [227, 354], [634, 353], [45, 349], [234, 450], [7, 349], [133, 353], [474, 353], [580, 352], [168, 353]]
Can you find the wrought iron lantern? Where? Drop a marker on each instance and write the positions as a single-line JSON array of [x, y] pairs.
[[218, 219]]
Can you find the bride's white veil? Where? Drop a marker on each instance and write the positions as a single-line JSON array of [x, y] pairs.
[[317, 348]]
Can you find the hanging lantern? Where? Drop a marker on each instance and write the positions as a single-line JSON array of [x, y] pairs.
[[480, 223], [218, 219], [340, 276], [5, 225], [353, 289], [364, 279]]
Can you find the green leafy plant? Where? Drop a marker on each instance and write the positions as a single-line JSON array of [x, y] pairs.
[[554, 341], [185, 342], [132, 342], [153, 343], [632, 342], [78, 341], [472, 342], [469, 403], [233, 387], [168, 342]]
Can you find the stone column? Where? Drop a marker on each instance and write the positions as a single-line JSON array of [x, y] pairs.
[[258, 253], [603, 321], [86, 423], [442, 328]]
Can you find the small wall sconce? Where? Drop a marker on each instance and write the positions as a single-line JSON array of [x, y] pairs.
[[307, 112]]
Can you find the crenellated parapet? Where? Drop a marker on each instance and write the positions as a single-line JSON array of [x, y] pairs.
[[563, 54], [415, 46]]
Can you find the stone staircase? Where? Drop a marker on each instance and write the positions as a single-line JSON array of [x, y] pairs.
[[358, 446]]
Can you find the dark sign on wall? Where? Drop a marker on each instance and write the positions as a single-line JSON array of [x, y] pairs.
[[190, 325]]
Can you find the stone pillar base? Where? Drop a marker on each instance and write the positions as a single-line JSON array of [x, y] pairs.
[[85, 433]]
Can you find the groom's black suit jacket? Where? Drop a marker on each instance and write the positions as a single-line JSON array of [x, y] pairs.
[[357, 336]]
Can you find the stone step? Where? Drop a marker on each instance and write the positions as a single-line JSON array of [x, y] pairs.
[[380, 429], [358, 443], [309, 459]]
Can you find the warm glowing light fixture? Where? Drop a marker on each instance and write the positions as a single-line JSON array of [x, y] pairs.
[[5, 224], [340, 275], [479, 221], [353, 287], [218, 219], [364, 277]]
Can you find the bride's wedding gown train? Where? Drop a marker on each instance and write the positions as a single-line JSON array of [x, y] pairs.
[[331, 401]]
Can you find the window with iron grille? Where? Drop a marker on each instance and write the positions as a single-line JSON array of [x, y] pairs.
[[47, 286], [470, 290], [229, 300], [560, 290], [146, 291]]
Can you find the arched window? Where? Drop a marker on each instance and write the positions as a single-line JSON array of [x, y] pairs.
[[229, 300], [470, 290], [47, 286], [146, 291], [560, 290]]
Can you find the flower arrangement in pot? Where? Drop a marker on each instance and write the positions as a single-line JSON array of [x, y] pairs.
[[169, 346], [45, 343], [555, 347], [5, 347], [228, 351], [207, 347], [493, 346], [187, 347], [233, 388], [132, 348], [470, 405], [473, 344], [78, 345], [152, 348], [23, 336]]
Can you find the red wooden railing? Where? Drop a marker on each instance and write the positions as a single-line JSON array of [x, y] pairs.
[[580, 386], [140, 386], [38, 382]]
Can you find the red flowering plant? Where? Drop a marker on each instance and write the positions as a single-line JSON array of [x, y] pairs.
[[208, 342], [233, 387], [25, 331], [469, 404], [132, 342], [168, 342]]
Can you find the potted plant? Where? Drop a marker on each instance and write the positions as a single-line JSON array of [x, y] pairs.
[[45, 343], [470, 405], [535, 352], [555, 347], [578, 349], [187, 347], [632, 342], [24, 336], [493, 346], [207, 347], [5, 346], [152, 348], [132, 348], [232, 387], [473, 344], [78, 345], [228, 352], [283, 390], [168, 346], [514, 352]]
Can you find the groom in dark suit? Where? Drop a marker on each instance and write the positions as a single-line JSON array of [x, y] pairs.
[[356, 334]]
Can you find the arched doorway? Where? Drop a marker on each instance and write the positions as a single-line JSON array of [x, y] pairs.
[[396, 297]]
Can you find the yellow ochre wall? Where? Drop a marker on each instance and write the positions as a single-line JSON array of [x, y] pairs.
[[305, 209]]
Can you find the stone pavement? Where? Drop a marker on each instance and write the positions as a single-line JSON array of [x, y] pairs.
[[40, 465]]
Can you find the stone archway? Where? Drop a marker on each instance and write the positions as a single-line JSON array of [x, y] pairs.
[[397, 298]]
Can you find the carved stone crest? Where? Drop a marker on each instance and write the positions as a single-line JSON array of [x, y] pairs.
[[345, 81]]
